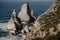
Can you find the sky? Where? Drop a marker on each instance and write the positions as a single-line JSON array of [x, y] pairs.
[[26, 0]]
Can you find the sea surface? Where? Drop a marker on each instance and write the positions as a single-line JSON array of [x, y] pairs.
[[6, 8]]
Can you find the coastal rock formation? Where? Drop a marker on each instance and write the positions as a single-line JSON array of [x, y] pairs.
[[11, 25], [14, 23], [47, 25], [27, 18], [22, 23], [25, 14]]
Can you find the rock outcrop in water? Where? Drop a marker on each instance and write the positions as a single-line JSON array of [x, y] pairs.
[[27, 17], [14, 24], [47, 25], [11, 25], [23, 22], [25, 14]]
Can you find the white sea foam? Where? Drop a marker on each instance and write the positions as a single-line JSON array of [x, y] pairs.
[[4, 35]]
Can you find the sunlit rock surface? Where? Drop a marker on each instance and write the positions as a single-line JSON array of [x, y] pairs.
[[11, 24], [25, 13], [14, 23]]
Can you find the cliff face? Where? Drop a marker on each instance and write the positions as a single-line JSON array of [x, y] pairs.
[[47, 25]]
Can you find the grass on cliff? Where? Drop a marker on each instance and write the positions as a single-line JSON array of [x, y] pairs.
[[57, 37], [51, 20]]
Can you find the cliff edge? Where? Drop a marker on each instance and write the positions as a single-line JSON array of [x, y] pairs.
[[47, 25]]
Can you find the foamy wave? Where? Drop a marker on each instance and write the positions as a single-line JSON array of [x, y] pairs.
[[4, 35]]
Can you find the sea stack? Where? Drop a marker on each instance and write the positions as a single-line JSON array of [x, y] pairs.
[[22, 22], [27, 17], [25, 13], [14, 24], [11, 24]]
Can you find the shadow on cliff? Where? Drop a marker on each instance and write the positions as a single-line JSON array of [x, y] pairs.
[[3, 33]]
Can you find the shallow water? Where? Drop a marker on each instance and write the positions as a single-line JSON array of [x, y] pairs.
[[6, 8]]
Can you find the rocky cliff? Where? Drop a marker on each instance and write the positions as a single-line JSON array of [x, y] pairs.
[[47, 25]]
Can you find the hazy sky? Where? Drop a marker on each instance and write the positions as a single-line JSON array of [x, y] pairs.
[[26, 0]]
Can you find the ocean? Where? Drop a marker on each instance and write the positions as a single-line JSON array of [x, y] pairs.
[[6, 8]]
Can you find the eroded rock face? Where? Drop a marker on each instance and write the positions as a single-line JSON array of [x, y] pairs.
[[46, 24], [23, 22], [11, 25], [25, 13], [14, 23]]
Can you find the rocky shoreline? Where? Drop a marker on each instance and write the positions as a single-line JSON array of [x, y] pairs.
[[26, 24], [23, 23]]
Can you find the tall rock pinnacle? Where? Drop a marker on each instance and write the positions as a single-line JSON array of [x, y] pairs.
[[25, 13], [14, 23], [11, 24], [23, 21], [15, 18]]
